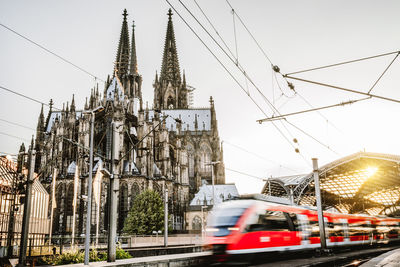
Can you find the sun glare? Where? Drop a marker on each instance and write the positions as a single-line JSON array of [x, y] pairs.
[[370, 171]]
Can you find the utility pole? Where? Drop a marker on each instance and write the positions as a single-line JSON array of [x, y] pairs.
[[212, 179], [112, 198], [89, 196], [165, 216], [27, 209], [90, 179], [321, 221]]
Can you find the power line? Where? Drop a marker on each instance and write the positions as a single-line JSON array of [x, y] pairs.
[[51, 52], [237, 65], [257, 155], [383, 73], [341, 63], [14, 136], [17, 124], [246, 75], [276, 69], [254, 39], [342, 88], [243, 173], [280, 117], [27, 97]]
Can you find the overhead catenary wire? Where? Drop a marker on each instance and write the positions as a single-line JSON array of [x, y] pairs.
[[50, 52], [252, 36], [343, 89], [243, 173], [342, 63], [383, 73], [266, 56], [27, 97], [259, 156], [314, 109], [237, 65], [17, 124], [14, 136]]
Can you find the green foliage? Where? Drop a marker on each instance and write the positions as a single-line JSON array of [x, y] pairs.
[[146, 214], [122, 254], [76, 256]]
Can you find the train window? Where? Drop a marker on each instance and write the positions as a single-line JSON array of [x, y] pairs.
[[270, 221], [357, 229], [335, 229], [226, 217], [293, 221], [314, 225]]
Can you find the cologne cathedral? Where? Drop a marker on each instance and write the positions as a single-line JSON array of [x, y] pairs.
[[169, 145]]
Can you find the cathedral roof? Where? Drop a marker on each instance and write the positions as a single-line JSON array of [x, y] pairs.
[[57, 114], [189, 118], [115, 87], [222, 192]]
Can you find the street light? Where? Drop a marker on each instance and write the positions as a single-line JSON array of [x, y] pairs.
[[202, 223], [89, 196], [212, 163]]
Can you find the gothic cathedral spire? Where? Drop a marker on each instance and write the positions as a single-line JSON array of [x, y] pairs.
[[169, 91], [122, 59], [133, 65], [170, 65]]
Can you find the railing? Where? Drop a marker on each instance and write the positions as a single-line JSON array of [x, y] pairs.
[[60, 244]]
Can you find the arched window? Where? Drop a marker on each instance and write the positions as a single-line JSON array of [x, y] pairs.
[[123, 206], [205, 158], [68, 207], [190, 153], [170, 102], [196, 223], [134, 193]]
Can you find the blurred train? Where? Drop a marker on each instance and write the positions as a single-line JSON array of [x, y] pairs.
[[245, 229]]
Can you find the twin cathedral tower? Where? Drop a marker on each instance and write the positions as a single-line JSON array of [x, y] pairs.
[[170, 145]]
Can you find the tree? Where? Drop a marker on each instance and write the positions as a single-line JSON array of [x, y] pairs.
[[146, 214]]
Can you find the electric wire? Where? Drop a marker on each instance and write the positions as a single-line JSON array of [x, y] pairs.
[[51, 52], [17, 124], [234, 33], [238, 65], [259, 156], [266, 56], [14, 136], [243, 173], [212, 25], [254, 39], [383, 73], [315, 109], [27, 97], [343, 89], [342, 63], [246, 75]]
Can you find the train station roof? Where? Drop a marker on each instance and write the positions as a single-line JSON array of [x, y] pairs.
[[363, 182]]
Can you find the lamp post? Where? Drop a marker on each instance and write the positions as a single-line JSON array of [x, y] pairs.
[[212, 163], [319, 205], [89, 200], [203, 229]]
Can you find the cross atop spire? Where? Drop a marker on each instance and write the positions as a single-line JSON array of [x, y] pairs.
[[122, 59], [125, 14], [170, 71]]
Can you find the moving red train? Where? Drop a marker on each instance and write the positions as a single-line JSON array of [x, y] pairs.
[[242, 228]]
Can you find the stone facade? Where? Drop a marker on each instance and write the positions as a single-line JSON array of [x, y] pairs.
[[168, 146]]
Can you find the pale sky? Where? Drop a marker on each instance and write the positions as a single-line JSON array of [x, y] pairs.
[[296, 35]]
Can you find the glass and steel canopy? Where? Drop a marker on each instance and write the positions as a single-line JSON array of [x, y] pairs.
[[359, 183]]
